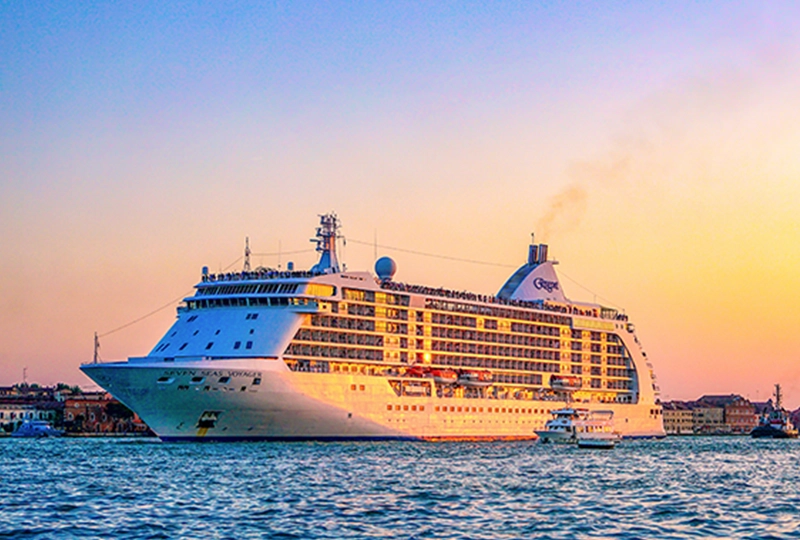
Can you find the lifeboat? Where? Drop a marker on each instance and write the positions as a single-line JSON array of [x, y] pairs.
[[476, 378], [444, 376], [416, 371], [565, 382]]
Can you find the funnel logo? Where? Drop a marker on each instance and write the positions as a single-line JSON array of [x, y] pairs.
[[549, 286]]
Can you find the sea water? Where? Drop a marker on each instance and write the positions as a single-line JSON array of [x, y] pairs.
[[704, 487]]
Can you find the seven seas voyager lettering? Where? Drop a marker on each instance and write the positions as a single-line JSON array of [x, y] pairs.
[[207, 373]]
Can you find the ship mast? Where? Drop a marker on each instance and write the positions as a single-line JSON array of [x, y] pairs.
[[246, 267], [96, 349], [327, 234]]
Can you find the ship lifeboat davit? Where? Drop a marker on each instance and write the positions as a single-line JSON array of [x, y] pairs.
[[565, 382], [476, 378], [444, 376]]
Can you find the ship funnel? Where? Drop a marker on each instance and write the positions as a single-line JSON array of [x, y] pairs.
[[533, 254], [542, 253]]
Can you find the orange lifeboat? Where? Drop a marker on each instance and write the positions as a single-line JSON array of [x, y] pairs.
[[565, 382], [444, 376], [416, 371]]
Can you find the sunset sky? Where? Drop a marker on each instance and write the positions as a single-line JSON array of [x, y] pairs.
[[655, 146]]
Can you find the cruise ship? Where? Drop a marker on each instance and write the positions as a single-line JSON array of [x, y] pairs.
[[330, 354]]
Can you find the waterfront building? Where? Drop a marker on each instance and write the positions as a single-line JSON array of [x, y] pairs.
[[709, 420], [739, 415], [99, 412], [678, 418], [12, 415]]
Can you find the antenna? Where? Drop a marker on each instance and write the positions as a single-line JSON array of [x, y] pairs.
[[96, 348], [25, 376], [246, 267]]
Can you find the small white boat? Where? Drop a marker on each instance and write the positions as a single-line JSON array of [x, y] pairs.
[[597, 431], [561, 427], [587, 429], [36, 428]]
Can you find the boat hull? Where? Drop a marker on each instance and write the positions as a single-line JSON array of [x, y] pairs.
[[261, 399], [769, 432]]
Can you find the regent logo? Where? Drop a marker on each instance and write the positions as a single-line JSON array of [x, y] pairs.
[[549, 286]]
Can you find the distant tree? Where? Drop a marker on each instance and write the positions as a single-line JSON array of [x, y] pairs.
[[62, 386], [76, 389]]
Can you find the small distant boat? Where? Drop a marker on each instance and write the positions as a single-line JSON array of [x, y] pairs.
[[597, 431], [598, 440], [561, 427], [36, 428], [587, 429], [775, 423]]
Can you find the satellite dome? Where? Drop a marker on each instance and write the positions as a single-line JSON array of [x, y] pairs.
[[385, 267]]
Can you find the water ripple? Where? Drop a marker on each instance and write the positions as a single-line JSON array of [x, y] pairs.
[[137, 489]]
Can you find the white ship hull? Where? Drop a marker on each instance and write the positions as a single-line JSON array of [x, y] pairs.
[[288, 405]]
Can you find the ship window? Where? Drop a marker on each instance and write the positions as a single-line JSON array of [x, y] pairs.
[[210, 344], [248, 345], [251, 330], [405, 407], [422, 407], [183, 346], [216, 333], [237, 344], [413, 407], [195, 332], [256, 381], [388, 407], [197, 380], [192, 318], [397, 407], [352, 387], [361, 387], [224, 380]]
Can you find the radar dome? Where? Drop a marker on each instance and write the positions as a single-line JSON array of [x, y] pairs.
[[385, 267]]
